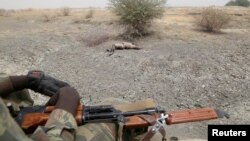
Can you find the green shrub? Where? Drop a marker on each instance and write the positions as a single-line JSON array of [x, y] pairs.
[[213, 19], [137, 15], [244, 3]]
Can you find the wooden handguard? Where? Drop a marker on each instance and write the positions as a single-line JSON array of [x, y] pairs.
[[175, 117], [33, 120], [191, 115]]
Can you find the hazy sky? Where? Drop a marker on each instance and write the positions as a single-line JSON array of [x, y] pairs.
[[20, 4]]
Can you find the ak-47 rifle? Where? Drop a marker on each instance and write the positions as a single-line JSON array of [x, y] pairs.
[[30, 117]]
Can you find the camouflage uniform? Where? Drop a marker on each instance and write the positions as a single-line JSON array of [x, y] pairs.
[[61, 125], [9, 130]]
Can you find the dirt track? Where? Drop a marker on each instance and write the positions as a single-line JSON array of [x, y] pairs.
[[179, 66]]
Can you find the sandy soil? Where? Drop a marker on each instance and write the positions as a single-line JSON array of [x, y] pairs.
[[179, 66]]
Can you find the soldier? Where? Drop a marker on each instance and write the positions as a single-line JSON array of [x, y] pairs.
[[61, 125]]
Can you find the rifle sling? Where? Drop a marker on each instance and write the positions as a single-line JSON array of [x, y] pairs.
[[120, 131], [151, 120]]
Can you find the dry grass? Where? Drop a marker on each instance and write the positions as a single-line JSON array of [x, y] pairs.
[[95, 37], [177, 23], [6, 13], [93, 40], [65, 11], [48, 18], [2, 11], [77, 21]]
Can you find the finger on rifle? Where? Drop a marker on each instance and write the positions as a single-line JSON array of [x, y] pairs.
[[52, 101]]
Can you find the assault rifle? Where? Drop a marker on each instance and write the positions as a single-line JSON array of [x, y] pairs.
[[30, 117]]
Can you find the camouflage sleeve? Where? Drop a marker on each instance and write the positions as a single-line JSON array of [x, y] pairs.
[[61, 126], [5, 85], [18, 99], [9, 129]]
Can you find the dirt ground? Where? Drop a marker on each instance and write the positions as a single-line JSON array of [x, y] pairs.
[[179, 66]]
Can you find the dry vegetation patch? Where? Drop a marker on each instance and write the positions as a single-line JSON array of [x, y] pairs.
[[93, 40], [48, 18], [213, 19], [2, 11], [95, 37], [6, 13], [65, 11], [90, 14]]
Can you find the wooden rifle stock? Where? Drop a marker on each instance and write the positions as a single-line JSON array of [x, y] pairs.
[[32, 120]]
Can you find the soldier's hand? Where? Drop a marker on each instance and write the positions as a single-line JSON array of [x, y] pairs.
[[68, 99], [39, 82]]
